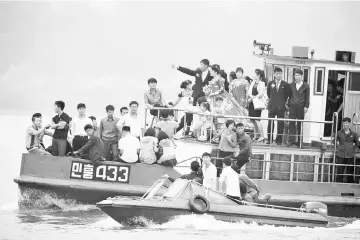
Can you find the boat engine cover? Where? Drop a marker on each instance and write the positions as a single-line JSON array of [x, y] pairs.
[[315, 207]]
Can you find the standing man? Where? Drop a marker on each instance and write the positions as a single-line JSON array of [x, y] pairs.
[[131, 120], [77, 128], [61, 125], [278, 92], [95, 126], [109, 134], [347, 141], [244, 141], [298, 105], [35, 134]]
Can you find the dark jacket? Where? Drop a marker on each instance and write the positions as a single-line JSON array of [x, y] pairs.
[[244, 142], [347, 144], [278, 98], [193, 176], [301, 97], [199, 82], [95, 146]]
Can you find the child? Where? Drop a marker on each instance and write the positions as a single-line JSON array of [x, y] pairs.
[[205, 122], [166, 124], [219, 109]]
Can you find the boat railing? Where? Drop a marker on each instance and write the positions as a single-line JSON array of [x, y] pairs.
[[244, 119]]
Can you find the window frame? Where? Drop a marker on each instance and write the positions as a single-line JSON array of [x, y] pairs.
[[309, 73], [317, 69]]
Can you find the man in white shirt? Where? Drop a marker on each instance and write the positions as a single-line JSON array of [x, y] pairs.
[[77, 127], [229, 180], [209, 172], [129, 146], [131, 120]]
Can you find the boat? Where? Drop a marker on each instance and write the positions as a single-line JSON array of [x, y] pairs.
[[165, 201]]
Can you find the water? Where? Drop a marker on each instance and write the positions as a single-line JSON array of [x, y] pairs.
[[52, 218]]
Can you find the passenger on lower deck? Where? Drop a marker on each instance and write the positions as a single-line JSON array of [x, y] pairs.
[[35, 134], [229, 180], [148, 147], [94, 146], [209, 172], [129, 146], [194, 175], [166, 153], [248, 189]]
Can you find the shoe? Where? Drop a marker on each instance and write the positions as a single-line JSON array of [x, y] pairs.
[[267, 141], [260, 139]]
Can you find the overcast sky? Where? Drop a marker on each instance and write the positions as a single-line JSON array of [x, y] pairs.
[[103, 53]]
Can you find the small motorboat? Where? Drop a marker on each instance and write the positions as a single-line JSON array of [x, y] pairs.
[[165, 201]]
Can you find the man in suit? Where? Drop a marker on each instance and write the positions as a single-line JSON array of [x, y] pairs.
[[278, 92], [298, 105]]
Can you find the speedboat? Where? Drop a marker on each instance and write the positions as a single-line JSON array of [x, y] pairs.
[[165, 201]]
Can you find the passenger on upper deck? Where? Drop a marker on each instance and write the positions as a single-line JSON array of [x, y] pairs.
[[35, 134], [132, 119], [124, 111], [298, 105], [219, 122], [229, 180], [194, 175], [129, 146], [61, 125], [227, 144], [109, 133], [244, 141], [204, 124], [208, 171], [347, 141], [77, 128], [94, 146], [148, 147], [239, 88], [278, 92], [153, 97]]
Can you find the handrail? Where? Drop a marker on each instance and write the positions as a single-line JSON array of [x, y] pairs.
[[188, 159]]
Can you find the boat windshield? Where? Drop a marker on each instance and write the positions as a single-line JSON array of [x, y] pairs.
[[176, 188], [158, 189]]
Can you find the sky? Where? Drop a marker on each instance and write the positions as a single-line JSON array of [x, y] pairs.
[[103, 53]]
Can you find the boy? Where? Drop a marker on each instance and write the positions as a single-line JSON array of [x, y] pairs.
[[129, 146], [61, 125], [244, 141], [166, 124], [35, 134], [109, 134], [209, 171], [77, 128], [229, 181], [219, 122], [94, 146]]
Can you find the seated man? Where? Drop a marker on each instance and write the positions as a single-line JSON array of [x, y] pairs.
[[248, 189], [166, 124], [209, 171], [35, 134], [229, 181], [129, 146], [94, 146], [194, 175]]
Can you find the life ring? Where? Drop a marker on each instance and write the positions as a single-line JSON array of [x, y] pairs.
[[199, 204]]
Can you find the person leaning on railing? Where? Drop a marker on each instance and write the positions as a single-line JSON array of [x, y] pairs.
[[347, 141], [243, 156]]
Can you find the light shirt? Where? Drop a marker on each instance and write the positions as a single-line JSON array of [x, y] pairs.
[[231, 180], [168, 127], [209, 174], [204, 74], [134, 122], [130, 146], [298, 85], [78, 125]]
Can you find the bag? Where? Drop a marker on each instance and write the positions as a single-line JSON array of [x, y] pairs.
[[259, 103]]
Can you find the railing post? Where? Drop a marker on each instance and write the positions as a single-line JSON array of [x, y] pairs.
[[300, 134], [335, 119], [145, 117], [316, 170], [271, 132], [297, 171], [185, 126], [291, 167]]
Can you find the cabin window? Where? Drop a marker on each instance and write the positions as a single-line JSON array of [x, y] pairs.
[[319, 81], [290, 73], [306, 74], [354, 81], [269, 72]]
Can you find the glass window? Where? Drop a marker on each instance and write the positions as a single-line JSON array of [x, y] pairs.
[[319, 80], [269, 72], [176, 188], [290, 73], [306, 74], [354, 81]]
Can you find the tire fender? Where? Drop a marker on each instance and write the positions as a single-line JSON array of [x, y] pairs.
[[197, 208]]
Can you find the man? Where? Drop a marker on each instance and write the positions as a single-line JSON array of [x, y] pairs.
[[298, 105], [209, 171], [202, 78], [227, 144], [95, 126], [244, 141], [278, 92], [77, 128], [109, 133], [194, 175], [131, 120], [61, 125], [95, 147], [347, 141], [248, 189], [129, 146], [124, 111], [229, 181], [153, 96], [166, 124], [35, 134]]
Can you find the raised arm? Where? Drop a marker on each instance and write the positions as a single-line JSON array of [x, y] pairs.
[[186, 71], [35, 132], [261, 89]]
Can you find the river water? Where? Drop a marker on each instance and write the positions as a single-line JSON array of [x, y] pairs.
[[77, 221]]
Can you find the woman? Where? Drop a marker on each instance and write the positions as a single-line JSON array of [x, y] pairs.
[[148, 147], [257, 90], [166, 153], [239, 88], [216, 88], [185, 97]]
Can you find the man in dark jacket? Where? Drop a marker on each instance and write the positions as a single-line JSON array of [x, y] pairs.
[[278, 92], [95, 146], [202, 78], [298, 105], [194, 175]]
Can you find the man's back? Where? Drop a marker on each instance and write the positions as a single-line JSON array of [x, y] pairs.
[[231, 179], [130, 146]]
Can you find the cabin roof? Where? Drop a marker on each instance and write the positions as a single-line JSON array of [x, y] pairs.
[[307, 60]]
